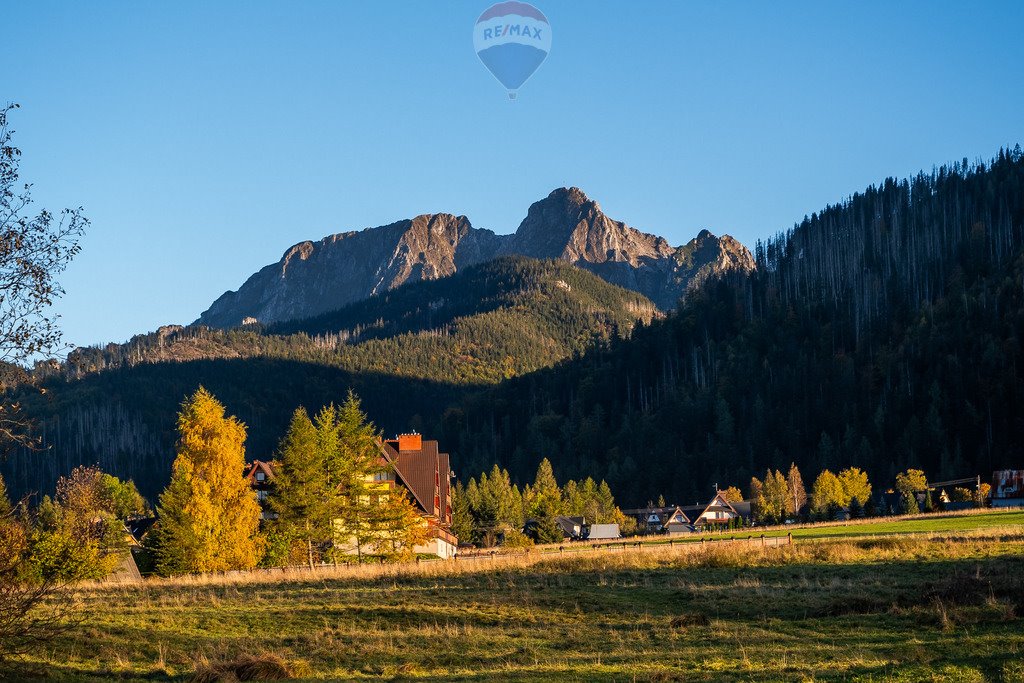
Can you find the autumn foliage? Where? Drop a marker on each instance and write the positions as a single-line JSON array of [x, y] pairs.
[[209, 515]]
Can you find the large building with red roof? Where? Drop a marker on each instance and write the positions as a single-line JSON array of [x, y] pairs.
[[417, 465]]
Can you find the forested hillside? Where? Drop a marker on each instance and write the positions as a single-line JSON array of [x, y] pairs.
[[484, 324], [883, 332], [408, 353]]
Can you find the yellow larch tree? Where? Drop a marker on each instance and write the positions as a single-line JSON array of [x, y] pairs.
[[208, 515]]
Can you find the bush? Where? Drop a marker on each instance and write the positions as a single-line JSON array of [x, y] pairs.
[[264, 667], [514, 538]]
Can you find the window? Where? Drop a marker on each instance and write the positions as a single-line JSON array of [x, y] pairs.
[[261, 476]]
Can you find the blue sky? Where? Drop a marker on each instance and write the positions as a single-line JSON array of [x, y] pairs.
[[204, 140]]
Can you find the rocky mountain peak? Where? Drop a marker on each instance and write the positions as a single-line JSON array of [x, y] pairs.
[[316, 277]]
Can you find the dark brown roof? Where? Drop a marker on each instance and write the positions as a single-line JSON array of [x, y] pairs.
[[425, 472], [664, 513], [444, 470]]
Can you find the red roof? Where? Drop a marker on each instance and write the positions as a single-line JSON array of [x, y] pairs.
[[259, 466]]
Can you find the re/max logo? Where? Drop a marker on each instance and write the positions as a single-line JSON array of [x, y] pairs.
[[512, 30]]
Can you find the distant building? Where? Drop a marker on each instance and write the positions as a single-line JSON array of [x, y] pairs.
[[716, 514], [603, 532], [572, 528], [576, 529], [1008, 488], [654, 520], [261, 478]]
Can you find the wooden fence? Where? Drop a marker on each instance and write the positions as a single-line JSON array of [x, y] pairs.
[[630, 545], [470, 559]]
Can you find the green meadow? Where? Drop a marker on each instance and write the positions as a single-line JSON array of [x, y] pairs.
[[917, 600]]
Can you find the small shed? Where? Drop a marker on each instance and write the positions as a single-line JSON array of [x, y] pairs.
[[601, 532]]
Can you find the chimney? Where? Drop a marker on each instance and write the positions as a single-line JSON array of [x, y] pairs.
[[410, 442]]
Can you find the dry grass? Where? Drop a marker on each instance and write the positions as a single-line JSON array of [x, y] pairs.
[[925, 607], [263, 667], [722, 553]]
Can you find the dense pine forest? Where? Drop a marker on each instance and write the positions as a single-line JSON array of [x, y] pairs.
[[481, 325], [883, 332], [409, 352]]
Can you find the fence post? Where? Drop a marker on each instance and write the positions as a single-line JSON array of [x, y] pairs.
[[790, 535], [762, 541]]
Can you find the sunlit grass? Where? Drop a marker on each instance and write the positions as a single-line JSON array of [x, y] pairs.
[[932, 606]]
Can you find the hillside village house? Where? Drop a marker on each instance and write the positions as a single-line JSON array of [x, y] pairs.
[[654, 520], [425, 471], [413, 463], [261, 476], [718, 513], [576, 529], [1008, 488]]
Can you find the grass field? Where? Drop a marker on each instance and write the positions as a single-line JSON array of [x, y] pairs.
[[944, 604]]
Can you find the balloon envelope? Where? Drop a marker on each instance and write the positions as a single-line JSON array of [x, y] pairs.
[[512, 39]]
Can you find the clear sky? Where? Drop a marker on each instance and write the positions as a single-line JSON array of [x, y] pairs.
[[203, 139]]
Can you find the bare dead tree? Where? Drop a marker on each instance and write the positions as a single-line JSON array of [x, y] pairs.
[[34, 249]]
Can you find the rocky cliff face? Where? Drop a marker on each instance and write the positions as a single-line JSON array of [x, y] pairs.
[[570, 226], [316, 277]]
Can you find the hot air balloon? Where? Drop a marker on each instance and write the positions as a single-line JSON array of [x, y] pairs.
[[512, 39]]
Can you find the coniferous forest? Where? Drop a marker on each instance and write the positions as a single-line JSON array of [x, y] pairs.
[[882, 332]]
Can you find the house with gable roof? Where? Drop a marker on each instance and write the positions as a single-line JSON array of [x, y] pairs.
[[716, 514], [409, 461], [260, 474], [655, 520], [421, 467]]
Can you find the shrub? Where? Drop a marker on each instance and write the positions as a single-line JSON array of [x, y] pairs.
[[263, 667], [514, 538]]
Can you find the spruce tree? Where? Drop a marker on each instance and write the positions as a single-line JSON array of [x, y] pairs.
[[208, 515], [302, 495], [607, 511], [908, 504], [357, 459], [462, 514], [545, 504]]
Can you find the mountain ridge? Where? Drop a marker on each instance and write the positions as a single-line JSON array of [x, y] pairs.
[[315, 277]]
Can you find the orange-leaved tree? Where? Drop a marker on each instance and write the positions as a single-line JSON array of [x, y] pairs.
[[208, 516]]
